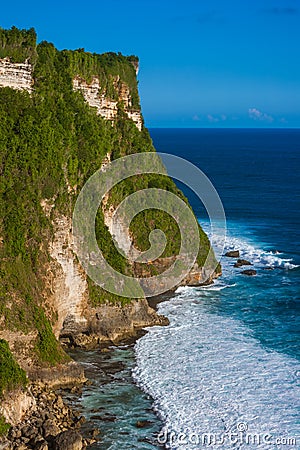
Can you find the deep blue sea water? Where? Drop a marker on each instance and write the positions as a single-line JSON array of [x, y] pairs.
[[230, 360], [226, 373]]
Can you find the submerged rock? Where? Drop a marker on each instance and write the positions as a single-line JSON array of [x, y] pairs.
[[242, 262], [249, 272], [233, 254], [95, 432], [143, 423]]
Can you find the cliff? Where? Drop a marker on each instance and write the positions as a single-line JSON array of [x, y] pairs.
[[16, 75], [105, 106], [63, 115], [19, 76]]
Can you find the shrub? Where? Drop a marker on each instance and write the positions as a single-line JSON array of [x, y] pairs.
[[11, 374]]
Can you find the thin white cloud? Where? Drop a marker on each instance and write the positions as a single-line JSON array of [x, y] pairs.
[[283, 120], [215, 119], [196, 118], [256, 114], [212, 119]]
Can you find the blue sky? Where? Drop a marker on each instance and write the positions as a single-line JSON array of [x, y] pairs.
[[216, 63]]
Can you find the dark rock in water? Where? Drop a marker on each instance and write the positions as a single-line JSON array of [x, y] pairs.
[[151, 441], [96, 417], [80, 421], [95, 432], [76, 390], [41, 445], [249, 272], [104, 418], [268, 268], [143, 423], [233, 254], [68, 440], [242, 262], [88, 441]]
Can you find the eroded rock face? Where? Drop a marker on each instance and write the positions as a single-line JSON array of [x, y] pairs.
[[21, 346], [107, 107], [67, 374], [78, 323], [67, 279], [19, 76], [197, 275], [68, 440], [16, 75], [113, 323], [50, 424], [15, 406], [116, 228]]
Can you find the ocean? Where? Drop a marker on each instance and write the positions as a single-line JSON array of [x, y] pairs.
[[226, 373]]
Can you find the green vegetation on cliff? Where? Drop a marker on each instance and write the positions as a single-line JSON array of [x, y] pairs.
[[4, 426], [51, 142], [18, 45], [111, 69], [11, 375]]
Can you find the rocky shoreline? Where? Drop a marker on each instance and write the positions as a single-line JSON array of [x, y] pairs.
[[50, 425], [51, 421]]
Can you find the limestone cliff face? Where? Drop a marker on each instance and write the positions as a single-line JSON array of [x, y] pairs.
[[21, 346], [16, 75], [107, 107], [68, 281], [78, 323], [66, 291], [19, 76], [15, 405], [63, 286], [66, 287], [197, 275]]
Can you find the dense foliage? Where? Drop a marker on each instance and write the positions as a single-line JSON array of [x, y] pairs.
[[11, 374], [51, 142], [18, 45], [111, 69], [4, 427]]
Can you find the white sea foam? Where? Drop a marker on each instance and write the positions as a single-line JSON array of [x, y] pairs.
[[218, 285], [250, 250], [207, 374]]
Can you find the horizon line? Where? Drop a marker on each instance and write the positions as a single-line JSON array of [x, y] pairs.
[[223, 128]]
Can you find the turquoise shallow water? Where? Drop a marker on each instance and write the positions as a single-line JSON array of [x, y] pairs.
[[113, 403]]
